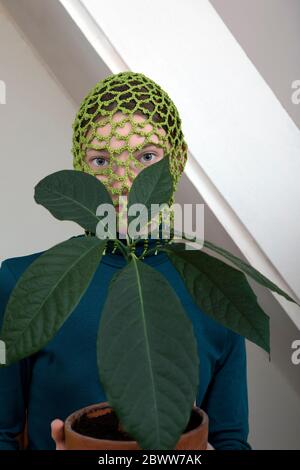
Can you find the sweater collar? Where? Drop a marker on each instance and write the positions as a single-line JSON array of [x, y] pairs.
[[114, 257]]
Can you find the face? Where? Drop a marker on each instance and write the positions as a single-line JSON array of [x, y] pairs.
[[144, 150]]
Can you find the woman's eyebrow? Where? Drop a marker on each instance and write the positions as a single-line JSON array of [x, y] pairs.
[[147, 146], [89, 150]]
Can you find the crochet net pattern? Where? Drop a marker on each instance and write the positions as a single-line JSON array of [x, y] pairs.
[[132, 94]]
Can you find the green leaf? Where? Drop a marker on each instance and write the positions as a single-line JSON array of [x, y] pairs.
[[223, 293], [147, 356], [153, 185], [247, 269], [47, 293], [73, 195], [240, 264]]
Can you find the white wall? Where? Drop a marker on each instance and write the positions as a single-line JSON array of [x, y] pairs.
[[269, 33], [35, 134]]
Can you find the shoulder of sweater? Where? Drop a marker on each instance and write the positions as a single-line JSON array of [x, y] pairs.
[[18, 264]]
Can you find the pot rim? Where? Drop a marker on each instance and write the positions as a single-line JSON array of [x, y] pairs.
[[103, 405]]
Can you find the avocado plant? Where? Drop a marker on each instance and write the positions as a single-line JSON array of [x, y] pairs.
[[148, 339]]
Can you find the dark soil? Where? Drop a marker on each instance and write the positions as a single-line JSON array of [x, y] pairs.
[[107, 426]]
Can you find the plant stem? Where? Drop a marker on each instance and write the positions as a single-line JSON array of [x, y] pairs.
[[191, 239], [124, 249], [157, 248]]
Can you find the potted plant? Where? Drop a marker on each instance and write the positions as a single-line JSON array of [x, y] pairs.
[[146, 350]]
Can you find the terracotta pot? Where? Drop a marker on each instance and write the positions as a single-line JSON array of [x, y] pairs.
[[196, 439]]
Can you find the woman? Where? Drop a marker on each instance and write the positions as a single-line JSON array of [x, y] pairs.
[[126, 123]]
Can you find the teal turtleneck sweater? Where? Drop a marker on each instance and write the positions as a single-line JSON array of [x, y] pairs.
[[63, 376]]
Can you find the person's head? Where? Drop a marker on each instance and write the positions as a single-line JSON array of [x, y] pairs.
[[126, 123]]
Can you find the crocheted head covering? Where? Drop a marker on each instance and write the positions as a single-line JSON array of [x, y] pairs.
[[131, 93]]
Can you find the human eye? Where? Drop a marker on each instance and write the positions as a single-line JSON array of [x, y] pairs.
[[148, 157], [99, 161]]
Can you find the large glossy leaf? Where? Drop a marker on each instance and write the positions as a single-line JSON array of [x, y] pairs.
[[223, 293], [153, 185], [240, 264], [47, 293], [147, 356], [73, 195], [247, 269]]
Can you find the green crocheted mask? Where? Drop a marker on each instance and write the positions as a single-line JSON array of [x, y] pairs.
[[134, 102]]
